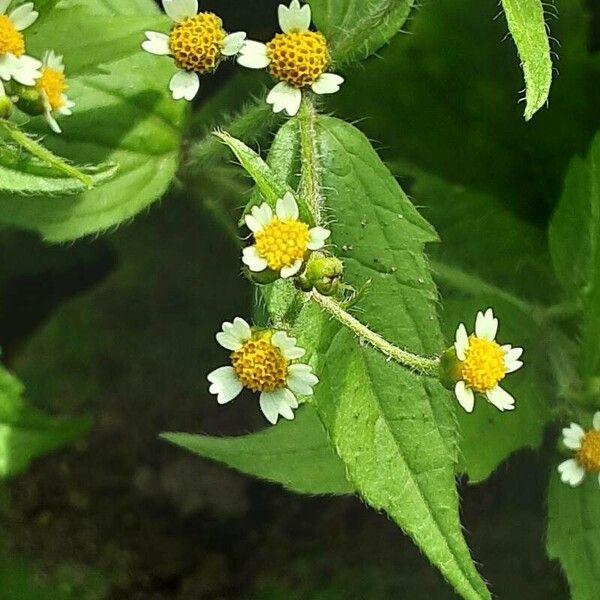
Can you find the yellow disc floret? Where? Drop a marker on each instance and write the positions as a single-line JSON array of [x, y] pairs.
[[196, 43], [260, 366], [299, 58], [282, 243], [11, 40], [53, 84], [589, 454], [484, 366]]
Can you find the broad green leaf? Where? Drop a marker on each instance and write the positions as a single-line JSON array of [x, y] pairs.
[[395, 432], [25, 433], [125, 116], [356, 29], [574, 534], [528, 29], [296, 454]]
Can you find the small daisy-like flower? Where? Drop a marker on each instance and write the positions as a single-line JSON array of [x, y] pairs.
[[261, 361], [483, 364], [197, 43], [298, 58], [14, 63], [52, 86], [587, 446], [282, 242]]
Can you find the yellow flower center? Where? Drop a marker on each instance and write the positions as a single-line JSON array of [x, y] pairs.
[[196, 43], [484, 366], [282, 243], [11, 40], [299, 58], [260, 366], [589, 454], [53, 84]]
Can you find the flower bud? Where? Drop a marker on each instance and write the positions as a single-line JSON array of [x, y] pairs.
[[450, 369], [6, 107], [28, 99], [324, 274]]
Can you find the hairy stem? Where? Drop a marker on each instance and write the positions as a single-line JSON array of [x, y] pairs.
[[310, 188], [414, 362]]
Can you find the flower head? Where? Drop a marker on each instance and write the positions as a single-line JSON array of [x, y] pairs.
[[197, 43], [262, 361], [298, 58], [14, 63], [586, 444], [52, 86], [483, 364], [281, 241]]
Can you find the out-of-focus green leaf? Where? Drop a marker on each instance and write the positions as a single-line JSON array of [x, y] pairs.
[[528, 29], [574, 534], [25, 433], [295, 454]]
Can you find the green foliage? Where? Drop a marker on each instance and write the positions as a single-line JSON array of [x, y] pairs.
[[296, 454], [25, 433], [528, 29], [573, 535]]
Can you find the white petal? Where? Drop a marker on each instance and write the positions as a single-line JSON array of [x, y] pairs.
[[328, 83], [3, 6], [263, 215], [287, 345], [280, 402], [234, 335], [253, 260], [571, 472], [486, 325], [184, 84], [27, 70], [178, 10], [8, 64], [156, 43], [317, 237], [294, 18], [301, 379], [596, 421], [501, 399], [462, 342], [285, 97], [52, 122], [511, 358], [233, 43], [465, 396], [573, 436], [511, 367], [225, 384], [287, 208], [23, 16], [290, 271], [253, 55]]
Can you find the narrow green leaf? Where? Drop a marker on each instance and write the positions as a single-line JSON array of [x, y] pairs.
[[356, 29], [574, 534], [296, 454], [528, 29], [25, 433]]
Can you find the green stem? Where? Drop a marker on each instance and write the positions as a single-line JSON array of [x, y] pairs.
[[414, 362], [44, 154]]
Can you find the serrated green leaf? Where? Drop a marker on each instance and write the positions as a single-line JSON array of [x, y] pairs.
[[395, 432], [528, 29], [295, 454], [25, 433], [574, 534], [355, 29], [124, 115]]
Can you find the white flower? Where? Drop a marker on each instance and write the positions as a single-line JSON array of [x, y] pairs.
[[281, 240], [262, 362], [14, 63], [587, 448], [52, 87], [298, 57], [197, 43], [484, 363]]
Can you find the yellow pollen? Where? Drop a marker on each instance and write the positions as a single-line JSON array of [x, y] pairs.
[[484, 366], [11, 40], [589, 454], [299, 58], [52, 83], [282, 243], [196, 43], [260, 366]]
